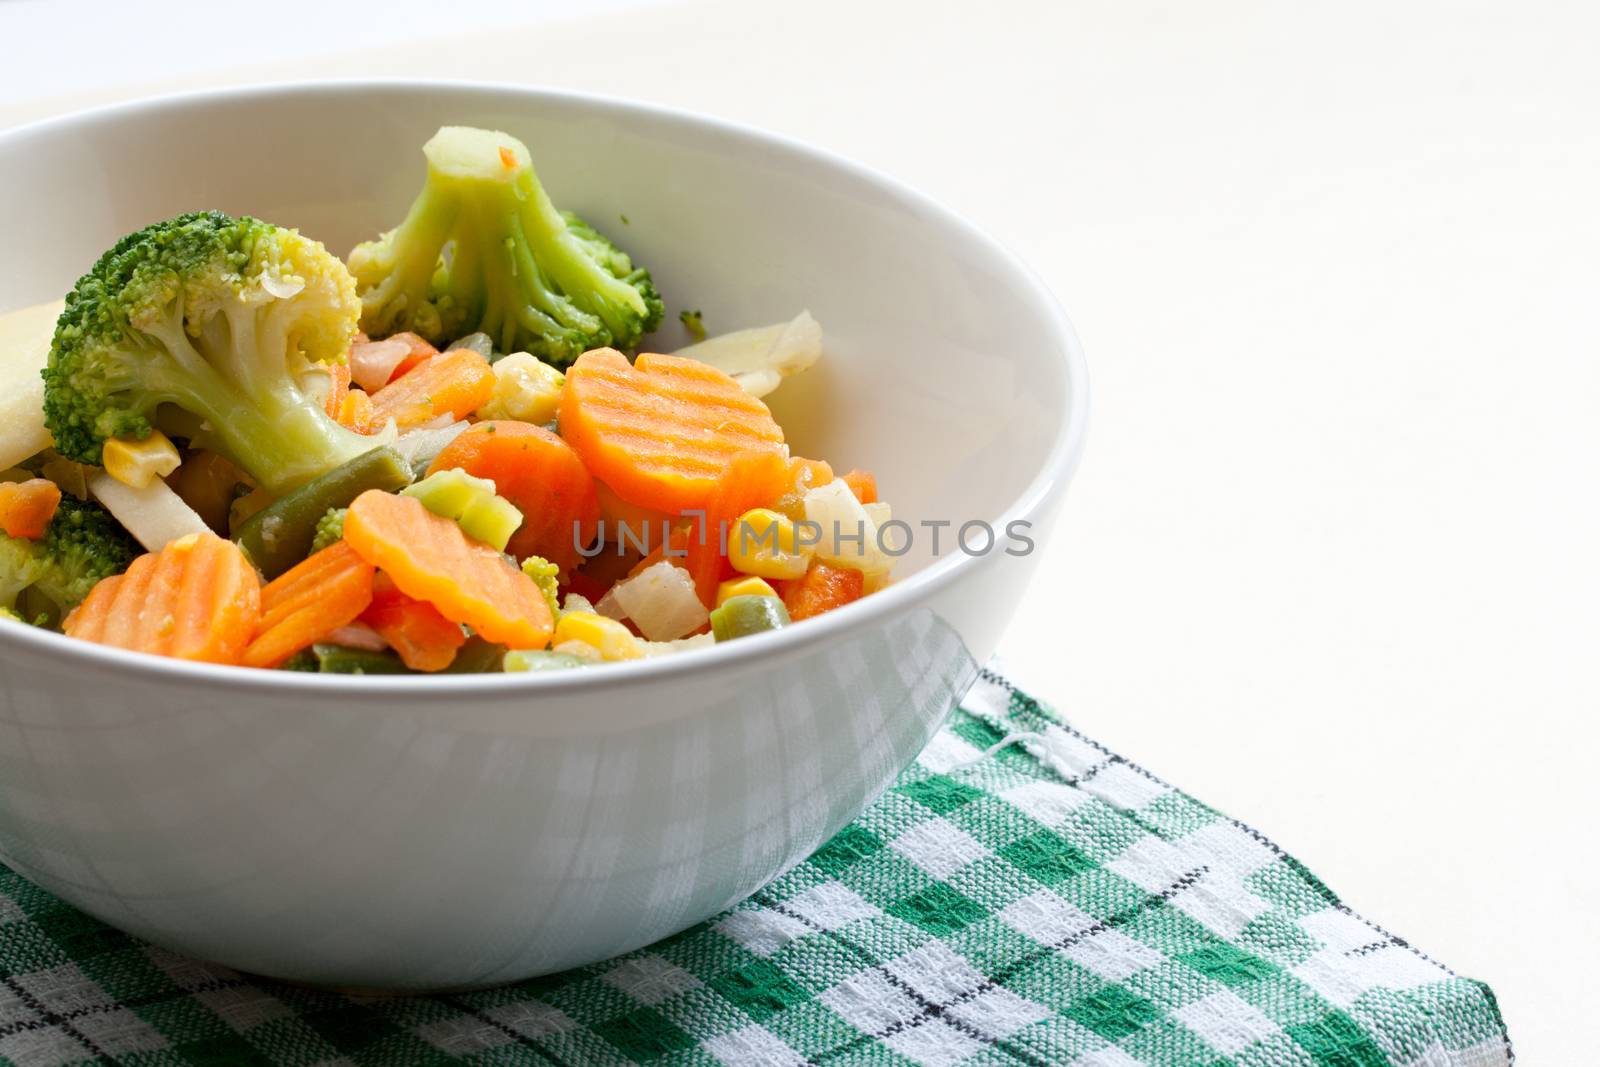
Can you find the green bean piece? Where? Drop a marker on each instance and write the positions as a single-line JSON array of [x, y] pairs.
[[538, 662], [741, 616], [477, 656], [279, 535], [304, 660], [337, 659]]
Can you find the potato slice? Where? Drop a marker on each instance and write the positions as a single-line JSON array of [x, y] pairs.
[[24, 350]]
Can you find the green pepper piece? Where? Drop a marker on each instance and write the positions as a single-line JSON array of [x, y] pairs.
[[337, 659], [279, 535], [741, 616], [537, 662]]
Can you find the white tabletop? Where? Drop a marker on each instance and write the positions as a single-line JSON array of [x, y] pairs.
[[1331, 560]]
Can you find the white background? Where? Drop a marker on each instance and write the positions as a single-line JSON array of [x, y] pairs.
[[1332, 561]]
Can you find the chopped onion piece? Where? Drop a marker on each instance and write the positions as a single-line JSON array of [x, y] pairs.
[[372, 363], [574, 602], [478, 342], [609, 607], [421, 445], [579, 649], [661, 601], [848, 536], [760, 358], [357, 635], [683, 644]]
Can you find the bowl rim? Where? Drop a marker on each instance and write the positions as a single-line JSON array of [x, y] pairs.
[[1034, 501]]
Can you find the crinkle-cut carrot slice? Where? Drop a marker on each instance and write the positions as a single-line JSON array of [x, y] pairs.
[[539, 473], [424, 639], [662, 431], [196, 599], [429, 558], [455, 383], [307, 602]]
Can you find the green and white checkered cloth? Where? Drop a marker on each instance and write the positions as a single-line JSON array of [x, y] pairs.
[[1046, 902]]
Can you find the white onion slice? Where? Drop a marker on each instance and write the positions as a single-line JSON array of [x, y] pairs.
[[661, 601], [357, 635], [760, 358], [420, 446], [372, 363]]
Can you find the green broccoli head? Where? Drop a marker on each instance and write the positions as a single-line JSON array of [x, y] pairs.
[[212, 324], [547, 576], [483, 248], [50, 576], [330, 529]]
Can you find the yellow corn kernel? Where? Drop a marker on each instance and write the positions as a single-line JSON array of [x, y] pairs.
[[743, 587], [766, 544], [138, 463], [609, 636], [525, 388]]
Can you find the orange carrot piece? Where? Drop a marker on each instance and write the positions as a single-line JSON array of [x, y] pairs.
[[863, 485], [751, 480], [677, 543], [809, 473], [356, 413], [310, 600], [822, 588], [804, 475], [425, 639], [429, 558], [350, 408], [661, 432], [420, 351], [539, 473], [338, 388], [454, 383], [196, 599], [26, 508], [88, 620]]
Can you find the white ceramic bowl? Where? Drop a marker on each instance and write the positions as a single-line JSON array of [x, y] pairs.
[[450, 832]]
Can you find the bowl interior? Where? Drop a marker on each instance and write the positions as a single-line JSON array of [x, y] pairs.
[[945, 371]]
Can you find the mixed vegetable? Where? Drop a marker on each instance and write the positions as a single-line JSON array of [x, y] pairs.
[[438, 456]]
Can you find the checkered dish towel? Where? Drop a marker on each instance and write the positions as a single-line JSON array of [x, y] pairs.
[[1020, 896]]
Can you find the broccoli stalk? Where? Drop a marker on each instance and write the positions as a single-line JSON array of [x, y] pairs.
[[207, 325], [82, 545], [484, 249]]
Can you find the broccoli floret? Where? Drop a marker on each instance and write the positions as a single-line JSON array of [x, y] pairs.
[[484, 249], [82, 545], [330, 529], [207, 325], [547, 576]]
